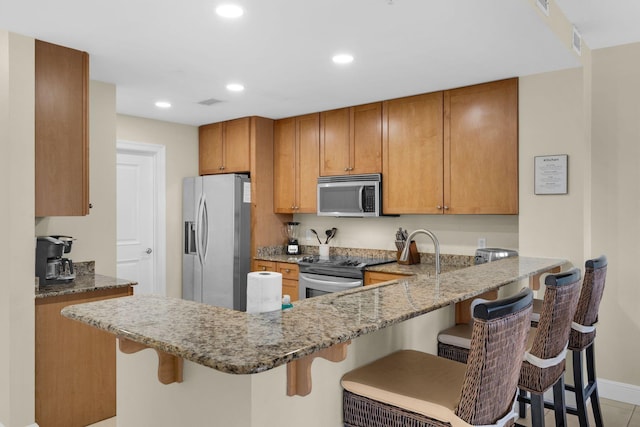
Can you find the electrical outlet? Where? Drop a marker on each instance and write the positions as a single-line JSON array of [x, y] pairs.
[[482, 242]]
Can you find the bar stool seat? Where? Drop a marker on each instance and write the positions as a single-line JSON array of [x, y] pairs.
[[411, 388], [400, 378]]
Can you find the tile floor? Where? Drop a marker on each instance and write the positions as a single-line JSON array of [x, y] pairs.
[[614, 414]]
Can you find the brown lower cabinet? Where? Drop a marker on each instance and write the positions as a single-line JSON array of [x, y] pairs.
[[289, 273], [374, 277], [75, 364]]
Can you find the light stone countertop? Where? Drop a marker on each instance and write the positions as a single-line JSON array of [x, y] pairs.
[[85, 281], [427, 266], [240, 343]]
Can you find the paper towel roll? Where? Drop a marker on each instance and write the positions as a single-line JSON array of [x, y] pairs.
[[264, 291]]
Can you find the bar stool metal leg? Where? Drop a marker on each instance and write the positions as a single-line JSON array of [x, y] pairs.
[[522, 403], [584, 392], [593, 385], [537, 410], [578, 388], [559, 406]]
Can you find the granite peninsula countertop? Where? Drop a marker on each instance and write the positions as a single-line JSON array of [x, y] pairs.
[[239, 343]]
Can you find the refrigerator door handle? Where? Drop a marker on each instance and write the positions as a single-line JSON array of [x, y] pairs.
[[205, 234], [199, 230]]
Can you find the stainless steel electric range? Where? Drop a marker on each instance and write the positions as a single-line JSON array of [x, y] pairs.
[[337, 273]]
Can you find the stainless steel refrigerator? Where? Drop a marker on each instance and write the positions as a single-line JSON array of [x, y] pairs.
[[216, 239]]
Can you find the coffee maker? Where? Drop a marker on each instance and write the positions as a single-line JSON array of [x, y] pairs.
[[51, 266]]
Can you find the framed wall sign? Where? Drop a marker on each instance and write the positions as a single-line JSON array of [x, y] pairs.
[[551, 174]]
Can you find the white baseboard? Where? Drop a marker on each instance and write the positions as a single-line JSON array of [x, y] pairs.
[[621, 392]]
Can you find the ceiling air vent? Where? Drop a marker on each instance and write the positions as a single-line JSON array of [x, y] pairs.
[[209, 102], [576, 41], [544, 5]]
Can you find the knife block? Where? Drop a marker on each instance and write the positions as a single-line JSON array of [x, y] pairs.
[[414, 256]]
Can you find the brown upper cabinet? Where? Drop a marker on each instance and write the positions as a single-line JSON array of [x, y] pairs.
[[61, 131], [452, 152], [295, 157], [351, 140], [413, 155], [481, 149], [225, 147]]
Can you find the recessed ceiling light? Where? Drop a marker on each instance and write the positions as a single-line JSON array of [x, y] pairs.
[[229, 11], [163, 104], [235, 87], [343, 58]]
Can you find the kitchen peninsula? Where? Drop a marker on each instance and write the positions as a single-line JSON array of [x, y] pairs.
[[238, 343]]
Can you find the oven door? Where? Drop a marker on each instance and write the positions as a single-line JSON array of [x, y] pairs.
[[313, 285]]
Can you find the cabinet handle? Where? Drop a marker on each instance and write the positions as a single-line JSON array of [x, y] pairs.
[[221, 168], [438, 207], [346, 169], [264, 268], [446, 208], [287, 270]]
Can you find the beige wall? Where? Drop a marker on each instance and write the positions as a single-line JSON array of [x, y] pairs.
[[96, 232], [552, 122], [615, 206], [600, 213], [181, 142], [17, 407]]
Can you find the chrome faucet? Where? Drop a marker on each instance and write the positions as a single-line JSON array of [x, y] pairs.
[[405, 252]]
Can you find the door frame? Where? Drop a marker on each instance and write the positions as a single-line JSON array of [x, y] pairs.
[[157, 153]]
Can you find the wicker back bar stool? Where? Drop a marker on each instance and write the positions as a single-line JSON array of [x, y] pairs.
[[581, 339], [544, 362], [411, 388]]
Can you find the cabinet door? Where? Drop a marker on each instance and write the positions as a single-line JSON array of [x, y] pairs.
[[289, 273], [481, 140], [284, 165], [335, 150], [366, 139], [75, 364], [210, 146], [413, 155], [308, 169], [61, 129], [237, 137]]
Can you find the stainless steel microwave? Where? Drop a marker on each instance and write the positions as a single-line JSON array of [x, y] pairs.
[[350, 195]]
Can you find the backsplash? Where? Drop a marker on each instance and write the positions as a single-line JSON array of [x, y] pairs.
[[85, 268], [458, 234]]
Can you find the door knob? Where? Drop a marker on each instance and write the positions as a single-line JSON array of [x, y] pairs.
[[149, 250]]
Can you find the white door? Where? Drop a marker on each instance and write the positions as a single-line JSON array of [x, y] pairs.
[[137, 216]]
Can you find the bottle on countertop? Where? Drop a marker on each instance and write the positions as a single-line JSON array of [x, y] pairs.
[[286, 302]]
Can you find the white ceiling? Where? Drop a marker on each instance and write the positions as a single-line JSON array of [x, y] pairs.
[[281, 49]]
